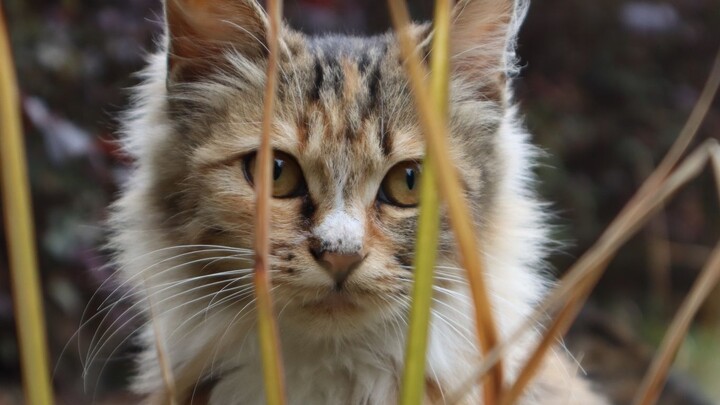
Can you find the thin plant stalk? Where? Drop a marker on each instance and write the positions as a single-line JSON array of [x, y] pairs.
[[267, 326], [577, 284], [654, 380], [587, 271], [660, 185], [633, 215], [27, 292], [165, 367], [451, 191], [558, 327], [413, 386], [689, 130]]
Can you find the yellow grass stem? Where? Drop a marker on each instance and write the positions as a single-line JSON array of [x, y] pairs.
[[27, 293], [460, 216], [267, 326], [413, 386]]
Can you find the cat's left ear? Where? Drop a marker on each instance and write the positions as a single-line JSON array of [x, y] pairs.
[[201, 31], [482, 41]]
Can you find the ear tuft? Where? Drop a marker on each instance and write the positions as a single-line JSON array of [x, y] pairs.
[[483, 39], [200, 31]]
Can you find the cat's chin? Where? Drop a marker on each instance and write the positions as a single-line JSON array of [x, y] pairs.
[[336, 314]]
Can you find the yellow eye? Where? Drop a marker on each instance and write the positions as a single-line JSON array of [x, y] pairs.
[[287, 177], [401, 185]]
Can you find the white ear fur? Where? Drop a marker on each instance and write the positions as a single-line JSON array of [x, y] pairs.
[[483, 36]]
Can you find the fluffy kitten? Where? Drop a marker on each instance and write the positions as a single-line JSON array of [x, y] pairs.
[[347, 144]]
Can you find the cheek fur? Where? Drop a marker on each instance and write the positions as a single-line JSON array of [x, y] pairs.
[[394, 229]]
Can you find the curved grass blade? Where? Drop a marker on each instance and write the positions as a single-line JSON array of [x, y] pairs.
[[21, 236], [628, 221], [413, 386], [449, 185], [654, 380], [656, 189], [165, 367]]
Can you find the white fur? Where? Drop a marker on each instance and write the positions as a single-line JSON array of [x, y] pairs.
[[341, 231]]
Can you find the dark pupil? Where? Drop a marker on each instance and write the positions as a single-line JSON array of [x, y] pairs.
[[277, 168], [410, 178]]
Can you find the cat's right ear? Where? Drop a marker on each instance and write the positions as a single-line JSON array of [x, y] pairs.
[[200, 31]]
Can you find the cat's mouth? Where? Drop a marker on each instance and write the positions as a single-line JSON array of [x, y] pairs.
[[335, 301]]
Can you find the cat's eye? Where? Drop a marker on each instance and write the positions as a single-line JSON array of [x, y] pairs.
[[401, 185], [287, 177]]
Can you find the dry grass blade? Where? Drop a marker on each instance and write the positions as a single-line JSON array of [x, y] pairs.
[[165, 368], [413, 386], [21, 236], [190, 385], [689, 131], [267, 327], [557, 328], [581, 279], [654, 380], [648, 200], [460, 217]]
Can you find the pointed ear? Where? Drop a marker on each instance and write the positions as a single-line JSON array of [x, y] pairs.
[[199, 31], [482, 40]]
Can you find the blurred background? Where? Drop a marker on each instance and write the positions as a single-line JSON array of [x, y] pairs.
[[605, 87]]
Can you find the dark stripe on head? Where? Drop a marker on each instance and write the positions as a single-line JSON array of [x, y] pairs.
[[385, 140], [335, 78], [303, 131], [373, 88], [319, 77], [373, 78], [363, 63]]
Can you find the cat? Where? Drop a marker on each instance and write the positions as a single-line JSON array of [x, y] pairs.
[[347, 151]]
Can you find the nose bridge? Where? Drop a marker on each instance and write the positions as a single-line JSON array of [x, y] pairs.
[[342, 230]]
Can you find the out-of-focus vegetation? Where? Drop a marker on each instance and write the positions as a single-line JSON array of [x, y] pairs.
[[605, 87]]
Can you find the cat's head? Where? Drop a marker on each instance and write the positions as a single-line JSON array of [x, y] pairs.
[[348, 150]]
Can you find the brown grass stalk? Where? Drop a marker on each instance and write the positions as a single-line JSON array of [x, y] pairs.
[[654, 380], [586, 272], [189, 380], [165, 367], [267, 325], [460, 216], [662, 183], [558, 327], [689, 130], [27, 293]]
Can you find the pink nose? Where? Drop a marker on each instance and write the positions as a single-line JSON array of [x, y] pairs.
[[339, 265]]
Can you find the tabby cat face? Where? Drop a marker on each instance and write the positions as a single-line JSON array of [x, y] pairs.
[[348, 151]]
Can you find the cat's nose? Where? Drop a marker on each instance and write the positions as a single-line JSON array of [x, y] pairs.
[[339, 265]]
